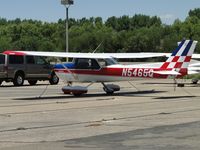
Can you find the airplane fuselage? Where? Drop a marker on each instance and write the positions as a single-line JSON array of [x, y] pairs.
[[111, 73]]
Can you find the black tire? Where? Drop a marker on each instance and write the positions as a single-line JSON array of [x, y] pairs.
[[18, 80], [1, 82], [54, 79], [32, 82], [77, 94], [108, 91]]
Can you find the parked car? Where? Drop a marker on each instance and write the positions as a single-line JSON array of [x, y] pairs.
[[16, 67]]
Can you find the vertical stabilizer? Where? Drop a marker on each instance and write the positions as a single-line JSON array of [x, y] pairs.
[[180, 57]]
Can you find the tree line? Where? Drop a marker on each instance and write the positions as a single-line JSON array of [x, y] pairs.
[[138, 33]]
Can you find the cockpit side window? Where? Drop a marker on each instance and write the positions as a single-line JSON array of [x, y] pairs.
[[81, 63], [94, 64], [107, 62], [85, 63], [102, 62]]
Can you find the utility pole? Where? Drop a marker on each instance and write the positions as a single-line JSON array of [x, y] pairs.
[[67, 4]]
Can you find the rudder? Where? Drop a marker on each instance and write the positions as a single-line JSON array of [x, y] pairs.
[[181, 56]]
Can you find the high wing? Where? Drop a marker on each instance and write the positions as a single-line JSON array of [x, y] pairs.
[[101, 55], [194, 68], [191, 72], [196, 56], [92, 55]]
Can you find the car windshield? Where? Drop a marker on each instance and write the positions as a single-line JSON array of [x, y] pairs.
[[2, 59]]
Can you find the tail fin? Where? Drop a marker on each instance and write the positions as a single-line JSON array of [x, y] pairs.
[[180, 57]]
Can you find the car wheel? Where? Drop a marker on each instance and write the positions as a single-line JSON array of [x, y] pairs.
[[32, 82], [18, 80], [54, 79]]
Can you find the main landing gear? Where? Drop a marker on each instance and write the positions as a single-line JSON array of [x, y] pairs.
[[75, 90], [110, 88], [80, 90]]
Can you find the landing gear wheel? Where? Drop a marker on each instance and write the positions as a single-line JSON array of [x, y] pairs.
[[77, 94], [180, 84], [195, 81], [110, 88], [75, 90], [54, 79], [32, 82], [108, 91], [18, 80]]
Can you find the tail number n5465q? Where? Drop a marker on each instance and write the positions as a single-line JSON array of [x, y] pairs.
[[137, 72]]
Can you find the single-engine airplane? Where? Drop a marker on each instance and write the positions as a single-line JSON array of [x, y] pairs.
[[102, 67]]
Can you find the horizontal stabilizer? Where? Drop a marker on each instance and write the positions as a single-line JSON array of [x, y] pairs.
[[171, 72], [190, 72]]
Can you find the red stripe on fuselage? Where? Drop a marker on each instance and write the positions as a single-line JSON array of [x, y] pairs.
[[103, 71]]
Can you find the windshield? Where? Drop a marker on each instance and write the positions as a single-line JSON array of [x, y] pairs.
[[111, 61], [2, 59]]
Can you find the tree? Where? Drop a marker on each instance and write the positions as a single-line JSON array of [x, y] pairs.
[[195, 12], [135, 33]]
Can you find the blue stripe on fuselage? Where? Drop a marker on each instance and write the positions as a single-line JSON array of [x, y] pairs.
[[67, 65]]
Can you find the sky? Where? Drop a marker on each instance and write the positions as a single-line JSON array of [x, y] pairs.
[[52, 10]]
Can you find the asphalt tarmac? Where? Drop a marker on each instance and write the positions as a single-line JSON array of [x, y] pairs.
[[153, 115]]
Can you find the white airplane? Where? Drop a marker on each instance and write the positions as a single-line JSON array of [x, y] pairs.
[[102, 67]]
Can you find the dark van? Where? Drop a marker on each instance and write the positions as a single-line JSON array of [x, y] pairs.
[[16, 67]]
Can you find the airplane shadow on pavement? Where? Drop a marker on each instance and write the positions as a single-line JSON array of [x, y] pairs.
[[127, 94]]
